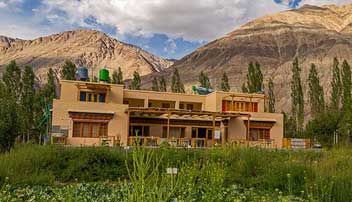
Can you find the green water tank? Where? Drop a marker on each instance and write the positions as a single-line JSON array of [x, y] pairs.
[[104, 75]]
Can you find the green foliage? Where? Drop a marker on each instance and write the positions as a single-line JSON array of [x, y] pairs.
[[297, 100], [271, 96], [49, 89], [28, 100], [68, 71], [204, 81], [289, 126], [336, 86], [162, 84], [176, 83], [9, 120], [136, 81], [346, 86], [11, 78], [155, 84], [316, 93], [225, 86], [117, 77], [322, 128], [244, 88], [221, 174], [254, 79]]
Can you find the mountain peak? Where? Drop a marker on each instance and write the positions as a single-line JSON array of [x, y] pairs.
[[89, 48]]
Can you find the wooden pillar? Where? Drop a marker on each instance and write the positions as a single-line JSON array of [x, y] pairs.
[[248, 126], [146, 103], [232, 107], [250, 104], [213, 133], [128, 128], [168, 125]]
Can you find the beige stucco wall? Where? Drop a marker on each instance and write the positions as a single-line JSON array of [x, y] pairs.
[[117, 127]]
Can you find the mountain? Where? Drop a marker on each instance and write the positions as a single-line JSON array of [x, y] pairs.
[[313, 34], [89, 48]]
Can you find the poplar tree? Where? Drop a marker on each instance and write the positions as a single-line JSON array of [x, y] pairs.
[[346, 86], [68, 71], [136, 81], [336, 86], [9, 119], [225, 86], [117, 77], [204, 81], [27, 101], [12, 80], [297, 108], [254, 79], [176, 83], [162, 84], [271, 96], [316, 92], [155, 84], [49, 89]]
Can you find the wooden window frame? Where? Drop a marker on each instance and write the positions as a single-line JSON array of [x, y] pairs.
[[102, 131]]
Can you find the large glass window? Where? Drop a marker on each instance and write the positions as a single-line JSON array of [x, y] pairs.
[[89, 130]]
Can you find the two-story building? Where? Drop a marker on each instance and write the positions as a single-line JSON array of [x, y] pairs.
[[88, 114]]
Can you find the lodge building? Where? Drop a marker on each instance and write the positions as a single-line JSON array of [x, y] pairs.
[[90, 114]]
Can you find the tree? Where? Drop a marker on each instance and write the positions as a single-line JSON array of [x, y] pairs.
[[289, 126], [225, 86], [117, 77], [11, 78], [176, 83], [49, 90], [155, 84], [204, 80], [271, 96], [68, 71], [336, 86], [9, 124], [316, 92], [136, 81], [254, 79], [162, 84], [27, 101], [346, 86], [297, 108], [244, 88]]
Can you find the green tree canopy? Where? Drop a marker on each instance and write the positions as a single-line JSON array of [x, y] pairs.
[[155, 84], [9, 120], [316, 92], [225, 86], [271, 96], [346, 86], [297, 99], [336, 86], [28, 99], [254, 79], [176, 83], [204, 81], [162, 84], [12, 80], [136, 81], [117, 77], [68, 71]]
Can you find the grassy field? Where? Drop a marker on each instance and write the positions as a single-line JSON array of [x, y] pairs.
[[43, 173]]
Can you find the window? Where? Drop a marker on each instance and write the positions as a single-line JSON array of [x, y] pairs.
[[189, 106], [259, 134], [92, 97], [82, 96], [175, 132], [143, 131], [239, 106], [165, 105], [89, 129], [202, 133], [182, 106]]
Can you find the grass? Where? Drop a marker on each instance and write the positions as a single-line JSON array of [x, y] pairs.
[[204, 175]]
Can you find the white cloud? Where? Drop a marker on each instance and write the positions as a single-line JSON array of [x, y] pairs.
[[170, 47], [194, 20], [3, 4]]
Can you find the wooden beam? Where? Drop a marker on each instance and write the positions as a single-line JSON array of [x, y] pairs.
[[168, 125], [248, 126]]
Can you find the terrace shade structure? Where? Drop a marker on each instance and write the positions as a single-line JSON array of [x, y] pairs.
[[93, 114]]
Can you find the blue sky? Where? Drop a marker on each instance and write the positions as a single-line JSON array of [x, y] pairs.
[[170, 29]]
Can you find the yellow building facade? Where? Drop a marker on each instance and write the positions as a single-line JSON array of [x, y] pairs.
[[92, 114]]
